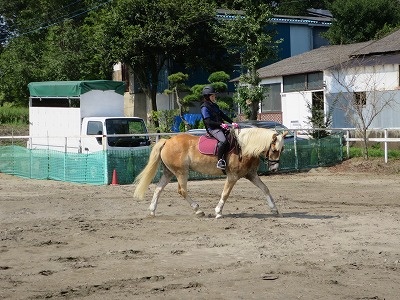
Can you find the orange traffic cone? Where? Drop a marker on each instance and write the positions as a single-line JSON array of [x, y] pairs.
[[114, 178]]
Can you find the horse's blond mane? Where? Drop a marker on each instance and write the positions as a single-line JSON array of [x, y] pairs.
[[254, 141]]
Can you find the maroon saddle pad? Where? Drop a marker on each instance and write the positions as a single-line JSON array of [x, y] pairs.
[[207, 145]]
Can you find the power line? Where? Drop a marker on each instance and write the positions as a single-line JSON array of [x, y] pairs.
[[70, 16]]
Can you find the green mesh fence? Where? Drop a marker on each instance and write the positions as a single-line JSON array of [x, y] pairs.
[[97, 168], [127, 164], [50, 164], [307, 154]]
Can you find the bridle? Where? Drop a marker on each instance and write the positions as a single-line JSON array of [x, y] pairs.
[[271, 162]]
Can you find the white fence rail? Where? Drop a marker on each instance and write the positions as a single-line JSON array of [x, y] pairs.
[[348, 137], [385, 140]]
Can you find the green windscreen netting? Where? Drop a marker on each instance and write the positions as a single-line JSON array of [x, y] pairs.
[[98, 167], [56, 165]]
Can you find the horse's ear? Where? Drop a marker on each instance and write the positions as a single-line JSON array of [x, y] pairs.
[[285, 133]]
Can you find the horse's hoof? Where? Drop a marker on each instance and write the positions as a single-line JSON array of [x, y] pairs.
[[277, 214], [152, 214], [200, 214], [218, 216]]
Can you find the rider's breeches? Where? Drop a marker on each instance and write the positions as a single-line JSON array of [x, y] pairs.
[[222, 142]]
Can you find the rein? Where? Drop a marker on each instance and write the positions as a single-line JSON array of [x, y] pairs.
[[233, 142]]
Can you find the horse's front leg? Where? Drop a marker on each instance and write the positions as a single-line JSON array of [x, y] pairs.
[[255, 179], [229, 183]]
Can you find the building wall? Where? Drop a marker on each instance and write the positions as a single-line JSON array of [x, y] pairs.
[[343, 115], [295, 112], [381, 86], [135, 105], [294, 109], [298, 37], [301, 39], [363, 78]]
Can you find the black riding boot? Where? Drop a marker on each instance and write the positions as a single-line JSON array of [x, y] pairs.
[[221, 164]]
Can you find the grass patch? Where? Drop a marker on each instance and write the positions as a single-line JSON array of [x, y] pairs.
[[372, 152]]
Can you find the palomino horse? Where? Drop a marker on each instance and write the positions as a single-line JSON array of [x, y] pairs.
[[180, 154]]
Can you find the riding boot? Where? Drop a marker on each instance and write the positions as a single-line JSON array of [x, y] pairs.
[[221, 164]]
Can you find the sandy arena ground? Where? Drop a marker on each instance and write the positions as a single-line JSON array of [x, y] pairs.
[[339, 238]]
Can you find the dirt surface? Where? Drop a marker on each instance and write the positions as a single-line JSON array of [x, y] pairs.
[[339, 238]]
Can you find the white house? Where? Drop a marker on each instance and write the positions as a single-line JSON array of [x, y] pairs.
[[330, 77]]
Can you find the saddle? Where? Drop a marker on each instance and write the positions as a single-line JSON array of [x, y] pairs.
[[208, 145]]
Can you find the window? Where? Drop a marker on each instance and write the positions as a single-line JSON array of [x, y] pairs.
[[360, 99], [294, 83], [95, 128], [120, 126], [55, 102], [315, 81], [318, 100], [317, 109], [303, 82], [272, 98]]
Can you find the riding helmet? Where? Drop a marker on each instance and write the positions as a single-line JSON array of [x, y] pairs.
[[208, 90]]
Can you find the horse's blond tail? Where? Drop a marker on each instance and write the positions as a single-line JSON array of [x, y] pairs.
[[145, 177]]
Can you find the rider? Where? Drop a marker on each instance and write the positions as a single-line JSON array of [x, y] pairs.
[[214, 118]]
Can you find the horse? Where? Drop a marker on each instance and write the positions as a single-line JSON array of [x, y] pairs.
[[180, 154]]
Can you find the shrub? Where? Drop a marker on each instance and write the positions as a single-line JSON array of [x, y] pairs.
[[14, 115]]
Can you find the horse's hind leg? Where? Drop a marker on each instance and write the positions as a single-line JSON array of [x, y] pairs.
[[164, 180], [229, 183], [255, 179], [182, 190]]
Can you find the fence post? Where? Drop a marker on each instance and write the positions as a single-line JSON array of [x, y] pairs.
[[157, 136], [296, 157], [386, 146], [30, 157], [65, 158], [105, 162], [348, 143]]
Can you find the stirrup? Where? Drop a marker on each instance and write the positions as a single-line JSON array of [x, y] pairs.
[[221, 164]]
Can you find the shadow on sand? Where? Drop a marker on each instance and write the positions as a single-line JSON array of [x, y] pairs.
[[297, 215]]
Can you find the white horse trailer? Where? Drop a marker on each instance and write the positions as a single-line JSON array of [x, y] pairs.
[[82, 116]]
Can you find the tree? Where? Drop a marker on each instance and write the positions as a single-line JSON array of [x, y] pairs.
[[219, 81], [46, 41], [248, 98], [18, 66], [177, 86], [247, 35], [146, 35], [68, 54], [318, 119], [360, 20]]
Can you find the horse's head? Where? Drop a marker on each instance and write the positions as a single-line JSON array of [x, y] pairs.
[[274, 152]]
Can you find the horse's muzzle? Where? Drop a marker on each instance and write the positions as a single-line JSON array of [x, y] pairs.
[[273, 165]]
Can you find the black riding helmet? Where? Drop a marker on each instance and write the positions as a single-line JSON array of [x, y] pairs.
[[208, 90]]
